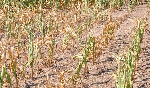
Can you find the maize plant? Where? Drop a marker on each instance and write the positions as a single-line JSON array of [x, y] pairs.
[[126, 71], [31, 47], [88, 50], [4, 74]]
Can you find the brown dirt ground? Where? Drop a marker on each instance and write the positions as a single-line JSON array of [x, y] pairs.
[[100, 74]]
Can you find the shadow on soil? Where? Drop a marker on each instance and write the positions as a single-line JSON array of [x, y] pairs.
[[96, 83]]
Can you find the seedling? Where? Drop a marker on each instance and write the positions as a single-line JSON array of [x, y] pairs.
[[31, 47], [126, 71]]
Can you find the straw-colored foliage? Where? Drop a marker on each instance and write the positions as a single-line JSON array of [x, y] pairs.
[[30, 31]]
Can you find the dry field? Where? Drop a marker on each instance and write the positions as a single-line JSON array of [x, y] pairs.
[[75, 44]]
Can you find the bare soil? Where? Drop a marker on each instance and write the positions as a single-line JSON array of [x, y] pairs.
[[99, 74]]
